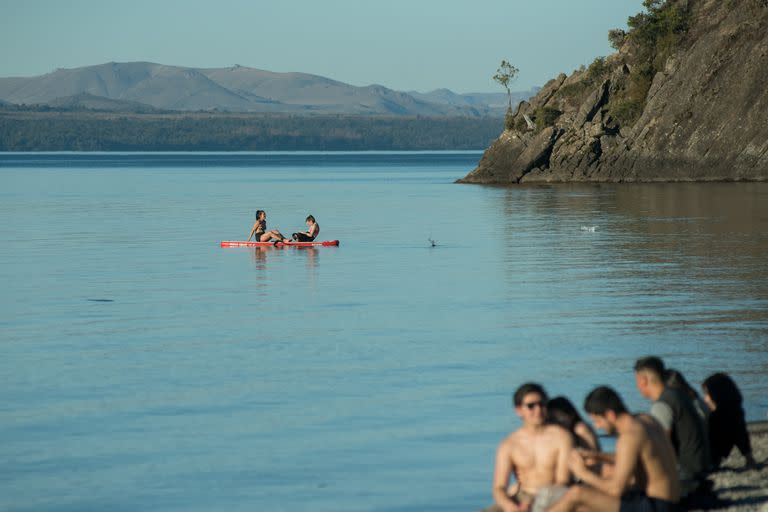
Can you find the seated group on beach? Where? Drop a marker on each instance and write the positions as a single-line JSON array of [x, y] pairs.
[[661, 458], [260, 234]]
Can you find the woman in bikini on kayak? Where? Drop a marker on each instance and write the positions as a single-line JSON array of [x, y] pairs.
[[260, 233]]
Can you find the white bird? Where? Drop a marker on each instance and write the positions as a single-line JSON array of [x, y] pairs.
[[589, 229]]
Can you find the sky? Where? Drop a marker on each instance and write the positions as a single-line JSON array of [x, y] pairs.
[[405, 45]]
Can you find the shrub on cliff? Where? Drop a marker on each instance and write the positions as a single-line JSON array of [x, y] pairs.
[[518, 124], [545, 116], [653, 36], [597, 71], [577, 91], [509, 120], [626, 111], [616, 38]]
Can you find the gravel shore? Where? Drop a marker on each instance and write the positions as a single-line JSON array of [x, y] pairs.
[[744, 489], [737, 488]]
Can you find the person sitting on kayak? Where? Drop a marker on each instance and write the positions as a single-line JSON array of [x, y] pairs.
[[260, 233], [311, 233]]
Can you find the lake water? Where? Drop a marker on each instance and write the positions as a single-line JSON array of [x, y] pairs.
[[145, 368]]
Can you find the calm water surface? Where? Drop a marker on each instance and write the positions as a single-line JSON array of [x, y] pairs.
[[145, 368]]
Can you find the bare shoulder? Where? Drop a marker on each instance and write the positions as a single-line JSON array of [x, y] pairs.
[[582, 429], [558, 434], [508, 443], [641, 427]]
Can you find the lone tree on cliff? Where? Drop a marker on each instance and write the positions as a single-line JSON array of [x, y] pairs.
[[505, 75], [616, 38]]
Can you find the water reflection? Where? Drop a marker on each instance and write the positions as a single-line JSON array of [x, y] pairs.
[[693, 232], [678, 269], [260, 255], [312, 256], [714, 236]]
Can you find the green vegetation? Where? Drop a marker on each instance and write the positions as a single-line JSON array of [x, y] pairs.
[[596, 71], [655, 34], [626, 111], [544, 117], [653, 37], [517, 124], [577, 91], [509, 120], [616, 38], [50, 130]]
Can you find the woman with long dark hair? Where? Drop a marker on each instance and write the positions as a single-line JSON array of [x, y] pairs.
[[727, 427], [259, 231], [675, 379], [561, 411]]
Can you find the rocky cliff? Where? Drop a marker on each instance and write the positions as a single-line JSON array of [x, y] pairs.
[[684, 99]]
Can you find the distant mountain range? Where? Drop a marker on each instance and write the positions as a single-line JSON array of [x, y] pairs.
[[146, 87]]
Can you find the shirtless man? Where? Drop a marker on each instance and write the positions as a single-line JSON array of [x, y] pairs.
[[644, 475], [537, 453]]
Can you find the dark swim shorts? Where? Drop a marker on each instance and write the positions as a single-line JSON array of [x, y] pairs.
[[301, 237], [639, 502]]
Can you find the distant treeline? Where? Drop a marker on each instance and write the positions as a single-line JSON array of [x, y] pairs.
[[49, 130]]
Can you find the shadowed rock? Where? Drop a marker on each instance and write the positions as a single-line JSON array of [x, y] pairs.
[[703, 118], [524, 152]]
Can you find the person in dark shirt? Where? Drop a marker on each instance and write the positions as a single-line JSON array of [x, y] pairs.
[[313, 229], [675, 379], [727, 427], [676, 414]]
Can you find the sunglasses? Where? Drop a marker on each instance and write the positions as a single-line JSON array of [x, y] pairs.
[[532, 405]]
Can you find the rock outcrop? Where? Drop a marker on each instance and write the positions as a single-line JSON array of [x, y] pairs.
[[703, 114]]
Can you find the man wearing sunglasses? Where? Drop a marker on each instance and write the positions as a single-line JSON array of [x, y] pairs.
[[536, 453]]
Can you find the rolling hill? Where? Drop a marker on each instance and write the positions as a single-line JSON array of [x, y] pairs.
[[234, 89]]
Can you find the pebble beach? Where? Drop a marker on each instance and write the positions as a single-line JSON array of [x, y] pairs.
[[742, 489], [738, 489]]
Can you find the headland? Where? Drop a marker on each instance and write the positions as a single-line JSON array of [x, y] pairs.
[[683, 99]]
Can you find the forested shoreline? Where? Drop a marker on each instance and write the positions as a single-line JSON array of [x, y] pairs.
[[65, 130]]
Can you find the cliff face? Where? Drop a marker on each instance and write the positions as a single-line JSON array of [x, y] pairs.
[[701, 116]]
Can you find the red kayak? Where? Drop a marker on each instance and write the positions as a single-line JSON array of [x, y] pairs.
[[236, 243]]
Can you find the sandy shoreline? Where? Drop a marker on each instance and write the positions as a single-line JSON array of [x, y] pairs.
[[745, 489]]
